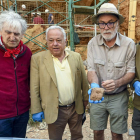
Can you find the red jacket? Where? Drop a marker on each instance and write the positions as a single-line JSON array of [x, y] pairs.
[[14, 83], [38, 20]]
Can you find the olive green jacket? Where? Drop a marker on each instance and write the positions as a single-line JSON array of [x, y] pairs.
[[43, 84], [136, 100]]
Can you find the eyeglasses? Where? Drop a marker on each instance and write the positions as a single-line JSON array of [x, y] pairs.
[[109, 25]]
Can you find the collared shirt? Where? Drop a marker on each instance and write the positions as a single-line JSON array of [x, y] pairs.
[[64, 81], [111, 62]]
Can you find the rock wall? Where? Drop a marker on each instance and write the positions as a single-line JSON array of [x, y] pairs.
[[40, 39]]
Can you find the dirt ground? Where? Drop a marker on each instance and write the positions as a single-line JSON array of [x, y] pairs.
[[40, 131]]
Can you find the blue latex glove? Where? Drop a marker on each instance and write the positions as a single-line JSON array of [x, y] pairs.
[[97, 101], [94, 85], [38, 116], [136, 86]]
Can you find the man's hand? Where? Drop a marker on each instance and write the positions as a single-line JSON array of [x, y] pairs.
[[109, 85], [38, 116], [136, 86], [94, 85]]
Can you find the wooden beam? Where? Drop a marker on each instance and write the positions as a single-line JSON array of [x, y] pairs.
[[132, 16]]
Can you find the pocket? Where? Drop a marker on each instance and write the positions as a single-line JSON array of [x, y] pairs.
[[100, 62], [120, 69], [99, 66]]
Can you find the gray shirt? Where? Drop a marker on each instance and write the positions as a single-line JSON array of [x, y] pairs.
[[114, 62]]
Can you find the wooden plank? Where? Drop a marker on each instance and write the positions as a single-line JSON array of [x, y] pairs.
[[130, 13], [133, 20]]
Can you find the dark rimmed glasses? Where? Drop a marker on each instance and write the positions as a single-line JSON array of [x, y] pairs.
[[109, 24]]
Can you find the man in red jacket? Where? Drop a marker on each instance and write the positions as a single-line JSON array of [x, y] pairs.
[[14, 76], [38, 19]]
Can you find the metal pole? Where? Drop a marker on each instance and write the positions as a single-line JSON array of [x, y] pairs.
[[95, 33], [15, 6], [37, 5], [118, 6], [71, 25], [67, 23], [8, 4], [1, 6]]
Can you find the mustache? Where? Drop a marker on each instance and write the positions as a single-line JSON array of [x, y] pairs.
[[107, 32]]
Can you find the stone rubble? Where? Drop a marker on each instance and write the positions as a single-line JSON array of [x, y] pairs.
[[41, 131]]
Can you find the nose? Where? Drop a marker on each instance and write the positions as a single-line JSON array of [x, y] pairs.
[[106, 27], [55, 42], [12, 36]]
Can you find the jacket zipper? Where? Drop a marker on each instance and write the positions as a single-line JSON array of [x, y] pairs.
[[15, 66]]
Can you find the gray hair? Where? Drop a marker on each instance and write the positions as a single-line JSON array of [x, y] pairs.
[[13, 19], [56, 27]]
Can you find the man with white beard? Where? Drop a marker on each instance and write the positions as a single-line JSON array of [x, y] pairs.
[[111, 65]]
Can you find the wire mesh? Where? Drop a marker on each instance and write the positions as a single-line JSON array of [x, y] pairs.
[[35, 9]]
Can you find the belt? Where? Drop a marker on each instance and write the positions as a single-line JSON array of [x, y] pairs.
[[115, 93], [67, 105]]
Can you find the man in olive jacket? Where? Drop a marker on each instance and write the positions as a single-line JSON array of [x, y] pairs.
[[58, 86], [136, 101]]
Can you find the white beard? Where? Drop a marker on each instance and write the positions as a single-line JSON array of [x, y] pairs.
[[112, 35]]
